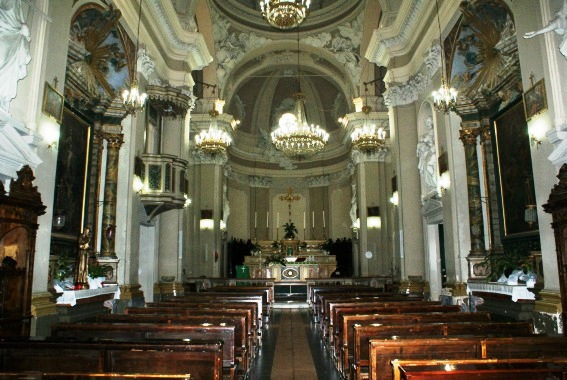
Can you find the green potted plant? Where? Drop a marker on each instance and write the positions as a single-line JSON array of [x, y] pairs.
[[289, 230], [275, 258]]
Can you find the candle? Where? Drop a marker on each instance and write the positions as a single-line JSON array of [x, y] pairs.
[[303, 219], [323, 218], [267, 219], [255, 218], [278, 220], [313, 220]]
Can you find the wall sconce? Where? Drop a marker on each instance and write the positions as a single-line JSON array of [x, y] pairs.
[[206, 222], [443, 183], [222, 225], [373, 221], [187, 200], [395, 199], [137, 184], [356, 225], [537, 130], [50, 134]]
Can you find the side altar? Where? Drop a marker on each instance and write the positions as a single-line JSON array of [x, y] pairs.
[[303, 260]]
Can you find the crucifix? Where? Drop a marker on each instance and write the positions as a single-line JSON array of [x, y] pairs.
[[289, 197]]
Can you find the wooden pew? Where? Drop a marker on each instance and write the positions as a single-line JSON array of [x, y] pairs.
[[382, 351], [204, 309], [267, 295], [345, 341], [362, 334], [200, 359], [242, 345], [458, 368], [140, 332], [35, 375]]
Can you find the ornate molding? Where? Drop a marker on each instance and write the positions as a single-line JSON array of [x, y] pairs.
[[322, 180], [259, 181], [145, 64], [358, 157], [380, 46], [410, 91], [169, 101]]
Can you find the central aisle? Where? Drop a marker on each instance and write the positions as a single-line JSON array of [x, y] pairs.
[[292, 350]]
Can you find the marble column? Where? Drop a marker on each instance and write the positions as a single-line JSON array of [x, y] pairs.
[[477, 253], [98, 150], [108, 233]]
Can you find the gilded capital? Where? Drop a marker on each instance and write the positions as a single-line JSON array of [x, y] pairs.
[[468, 136], [485, 134], [115, 140]]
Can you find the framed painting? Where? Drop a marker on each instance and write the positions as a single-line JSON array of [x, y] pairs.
[[535, 101], [514, 165], [53, 103]]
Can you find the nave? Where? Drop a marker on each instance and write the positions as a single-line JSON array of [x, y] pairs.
[[291, 348]]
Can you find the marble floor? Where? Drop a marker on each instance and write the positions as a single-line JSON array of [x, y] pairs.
[[291, 348]]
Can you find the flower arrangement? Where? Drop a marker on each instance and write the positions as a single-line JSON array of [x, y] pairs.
[[96, 270], [289, 230], [275, 258]]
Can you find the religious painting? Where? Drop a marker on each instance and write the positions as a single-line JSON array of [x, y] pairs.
[[514, 166], [52, 103], [535, 101], [71, 177]]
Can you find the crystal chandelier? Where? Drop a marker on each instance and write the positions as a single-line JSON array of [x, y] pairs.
[[295, 137], [445, 98], [213, 141], [368, 138], [284, 14], [132, 99]]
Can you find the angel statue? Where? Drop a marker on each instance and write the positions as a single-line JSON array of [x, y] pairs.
[[558, 25]]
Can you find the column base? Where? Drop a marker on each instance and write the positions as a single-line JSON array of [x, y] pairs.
[[168, 289], [414, 288], [111, 276], [478, 267], [548, 313]]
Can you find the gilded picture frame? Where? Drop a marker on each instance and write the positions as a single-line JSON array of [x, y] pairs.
[[535, 100], [53, 103]]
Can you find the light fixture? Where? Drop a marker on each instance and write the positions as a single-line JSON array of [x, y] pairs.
[[213, 141], [284, 14], [445, 98], [530, 213], [59, 216], [50, 134], [395, 198], [374, 222], [537, 130], [137, 184], [368, 138], [443, 183], [188, 200], [294, 136], [132, 99]]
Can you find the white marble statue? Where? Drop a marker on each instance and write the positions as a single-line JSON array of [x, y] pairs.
[[427, 154], [353, 204], [557, 25], [225, 204], [14, 50]]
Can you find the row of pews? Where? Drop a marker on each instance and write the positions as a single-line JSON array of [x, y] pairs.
[[371, 334], [209, 335]]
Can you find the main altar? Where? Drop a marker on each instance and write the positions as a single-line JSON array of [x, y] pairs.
[[303, 260]]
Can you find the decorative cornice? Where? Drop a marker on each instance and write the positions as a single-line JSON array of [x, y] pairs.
[[380, 44], [192, 43], [169, 101], [410, 91], [358, 157]]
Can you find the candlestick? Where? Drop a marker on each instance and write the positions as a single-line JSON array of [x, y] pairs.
[[313, 220], [278, 220], [303, 219], [255, 219]]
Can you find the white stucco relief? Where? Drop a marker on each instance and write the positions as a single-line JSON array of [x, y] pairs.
[[427, 154]]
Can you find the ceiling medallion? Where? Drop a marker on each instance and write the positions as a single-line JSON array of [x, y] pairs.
[[368, 138], [284, 14], [213, 141], [295, 137]]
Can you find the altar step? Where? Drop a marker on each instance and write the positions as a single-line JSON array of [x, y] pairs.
[[290, 304]]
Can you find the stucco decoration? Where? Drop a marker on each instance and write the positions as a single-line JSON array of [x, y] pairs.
[[145, 64], [322, 180], [353, 204], [271, 154], [225, 204], [427, 154], [410, 91], [200, 157], [259, 181], [557, 25], [14, 50], [344, 44], [231, 47], [358, 157]]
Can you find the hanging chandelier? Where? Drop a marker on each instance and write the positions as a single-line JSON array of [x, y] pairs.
[[284, 14], [445, 98], [368, 138], [213, 141], [295, 137], [133, 100]]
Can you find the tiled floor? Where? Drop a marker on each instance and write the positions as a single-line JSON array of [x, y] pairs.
[[292, 350]]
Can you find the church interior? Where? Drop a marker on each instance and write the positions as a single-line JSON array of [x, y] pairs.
[[286, 151]]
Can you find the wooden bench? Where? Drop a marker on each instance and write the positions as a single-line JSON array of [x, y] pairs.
[[242, 339], [382, 351], [139, 332], [201, 359], [360, 360], [267, 295], [35, 375], [461, 369], [345, 341]]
